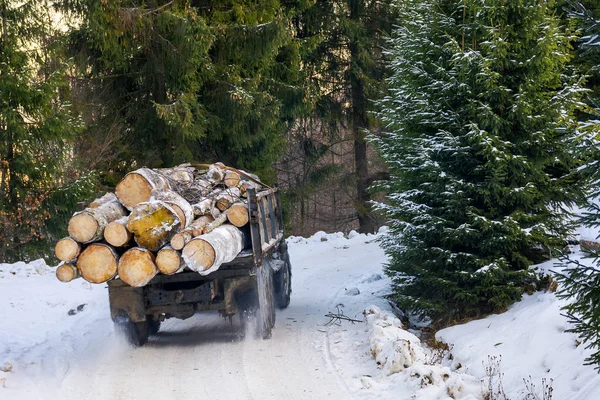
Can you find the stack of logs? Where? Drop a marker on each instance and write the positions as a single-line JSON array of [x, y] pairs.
[[159, 221]]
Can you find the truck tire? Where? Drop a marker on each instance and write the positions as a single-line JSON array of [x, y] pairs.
[[136, 333], [283, 280], [257, 309]]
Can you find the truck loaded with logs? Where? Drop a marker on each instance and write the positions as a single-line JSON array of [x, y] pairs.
[[172, 242]]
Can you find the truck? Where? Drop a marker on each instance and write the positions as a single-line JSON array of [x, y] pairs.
[[251, 287]]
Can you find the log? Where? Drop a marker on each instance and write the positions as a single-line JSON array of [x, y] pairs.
[[153, 224], [203, 207], [215, 174], [98, 263], [195, 229], [224, 200], [208, 252], [137, 186], [88, 225], [67, 272], [238, 215], [184, 210], [116, 233], [107, 198], [196, 191], [137, 267], [169, 261], [67, 249], [181, 174], [248, 185], [220, 220], [231, 179]]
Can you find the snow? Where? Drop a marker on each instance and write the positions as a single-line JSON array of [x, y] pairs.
[[57, 341]]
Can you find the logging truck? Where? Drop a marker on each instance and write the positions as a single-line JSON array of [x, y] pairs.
[[250, 287]]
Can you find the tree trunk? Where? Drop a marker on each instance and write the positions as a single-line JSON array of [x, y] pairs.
[[184, 210], [153, 224], [67, 272], [137, 186], [116, 233], [195, 229], [98, 263], [169, 261], [107, 198], [237, 214], [208, 252], [137, 267], [88, 225], [67, 249]]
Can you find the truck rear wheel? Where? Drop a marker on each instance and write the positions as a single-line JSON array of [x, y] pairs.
[[136, 333], [283, 279]]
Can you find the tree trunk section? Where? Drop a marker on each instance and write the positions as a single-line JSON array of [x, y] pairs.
[[237, 214], [88, 225], [195, 229], [67, 249], [248, 185], [137, 186], [215, 174], [107, 198], [98, 263], [220, 220], [169, 261], [208, 252], [67, 272], [116, 233], [184, 210], [137, 267], [153, 224], [231, 179], [226, 198]]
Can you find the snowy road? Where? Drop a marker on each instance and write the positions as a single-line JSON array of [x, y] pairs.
[[202, 357]]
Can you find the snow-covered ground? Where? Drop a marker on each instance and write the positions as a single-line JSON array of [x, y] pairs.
[[57, 342]]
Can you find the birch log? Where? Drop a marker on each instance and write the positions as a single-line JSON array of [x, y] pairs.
[[220, 220], [98, 263], [137, 267], [169, 261], [107, 198], [88, 225], [208, 252], [137, 186], [195, 229], [237, 214], [67, 249], [231, 179], [116, 233], [248, 185], [67, 272], [225, 199], [184, 210], [153, 224], [215, 174]]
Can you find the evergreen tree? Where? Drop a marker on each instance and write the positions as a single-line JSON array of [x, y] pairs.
[[478, 135], [38, 186], [177, 81]]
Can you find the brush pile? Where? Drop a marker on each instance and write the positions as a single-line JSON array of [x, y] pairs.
[[159, 221]]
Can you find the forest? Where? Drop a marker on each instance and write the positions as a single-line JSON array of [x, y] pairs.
[[468, 127]]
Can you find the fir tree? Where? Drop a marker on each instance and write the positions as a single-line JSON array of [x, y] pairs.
[[477, 139], [39, 187]]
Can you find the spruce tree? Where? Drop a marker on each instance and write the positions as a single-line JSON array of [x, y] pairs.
[[477, 139], [39, 186]]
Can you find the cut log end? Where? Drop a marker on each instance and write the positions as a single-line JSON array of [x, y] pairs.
[[67, 249], [67, 272], [97, 263], [237, 215], [169, 261], [199, 255], [153, 224], [116, 234], [83, 227], [133, 189], [232, 179], [137, 267], [178, 241]]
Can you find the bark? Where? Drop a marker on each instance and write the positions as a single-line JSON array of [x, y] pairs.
[[184, 210], [248, 185], [107, 198], [195, 229], [169, 261], [116, 233], [208, 252], [137, 186], [137, 267], [228, 197], [67, 272], [215, 174], [153, 224], [220, 220], [67, 249], [88, 225], [203, 207], [98, 263], [237, 214]]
